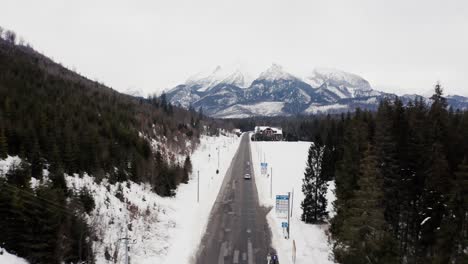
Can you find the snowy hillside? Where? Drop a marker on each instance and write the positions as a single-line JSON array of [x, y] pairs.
[[162, 229], [311, 240]]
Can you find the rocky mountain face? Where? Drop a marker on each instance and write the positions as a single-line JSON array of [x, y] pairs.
[[275, 92]]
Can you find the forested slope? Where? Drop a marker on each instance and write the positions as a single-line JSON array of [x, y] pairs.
[[401, 176], [59, 122], [402, 184]]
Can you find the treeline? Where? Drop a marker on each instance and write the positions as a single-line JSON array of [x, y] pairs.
[[59, 122], [401, 179], [295, 128]]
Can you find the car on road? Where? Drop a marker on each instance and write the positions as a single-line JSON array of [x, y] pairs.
[[272, 259], [247, 176]]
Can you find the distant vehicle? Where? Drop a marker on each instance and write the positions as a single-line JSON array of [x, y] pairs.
[[274, 259], [247, 176]]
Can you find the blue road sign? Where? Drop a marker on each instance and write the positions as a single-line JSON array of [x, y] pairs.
[[282, 197], [284, 224], [282, 203]]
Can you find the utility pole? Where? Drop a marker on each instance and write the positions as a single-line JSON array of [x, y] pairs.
[[218, 158], [126, 244], [292, 201], [198, 186], [271, 183], [289, 208], [126, 238]]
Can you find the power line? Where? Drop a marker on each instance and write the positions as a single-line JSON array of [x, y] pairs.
[[36, 197]]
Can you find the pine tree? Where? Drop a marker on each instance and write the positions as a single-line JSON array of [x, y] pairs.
[[355, 136], [187, 169], [20, 175], [387, 156], [452, 236], [365, 230], [36, 161], [3, 144], [314, 187], [437, 182]]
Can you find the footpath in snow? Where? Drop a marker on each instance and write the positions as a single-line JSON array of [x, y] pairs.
[[288, 160]]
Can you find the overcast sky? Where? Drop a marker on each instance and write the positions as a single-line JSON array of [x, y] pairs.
[[399, 46]]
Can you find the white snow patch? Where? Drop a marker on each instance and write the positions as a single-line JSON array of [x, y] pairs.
[[7, 163], [425, 220], [7, 258], [315, 109], [288, 159], [262, 109]]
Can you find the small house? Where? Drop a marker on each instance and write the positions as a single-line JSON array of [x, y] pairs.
[[267, 133]]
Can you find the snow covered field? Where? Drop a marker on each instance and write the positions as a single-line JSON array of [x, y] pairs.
[[162, 230], [288, 159]]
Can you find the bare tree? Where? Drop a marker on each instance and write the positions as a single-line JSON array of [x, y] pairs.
[[10, 36]]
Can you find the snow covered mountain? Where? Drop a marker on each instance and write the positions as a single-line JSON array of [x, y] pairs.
[[204, 83], [340, 83], [227, 93]]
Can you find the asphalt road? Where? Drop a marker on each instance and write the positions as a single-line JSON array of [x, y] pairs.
[[237, 231]]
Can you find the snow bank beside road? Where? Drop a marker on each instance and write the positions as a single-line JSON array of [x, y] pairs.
[[288, 160]]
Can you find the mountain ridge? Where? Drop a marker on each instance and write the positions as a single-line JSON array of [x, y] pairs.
[[277, 92]]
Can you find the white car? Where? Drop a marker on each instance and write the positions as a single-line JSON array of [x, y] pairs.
[[247, 176]]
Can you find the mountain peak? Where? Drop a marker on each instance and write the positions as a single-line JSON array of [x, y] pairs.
[[342, 84], [275, 72], [219, 75], [340, 77]]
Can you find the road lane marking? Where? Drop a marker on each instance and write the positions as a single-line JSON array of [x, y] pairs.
[[221, 253], [250, 252], [235, 260]]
